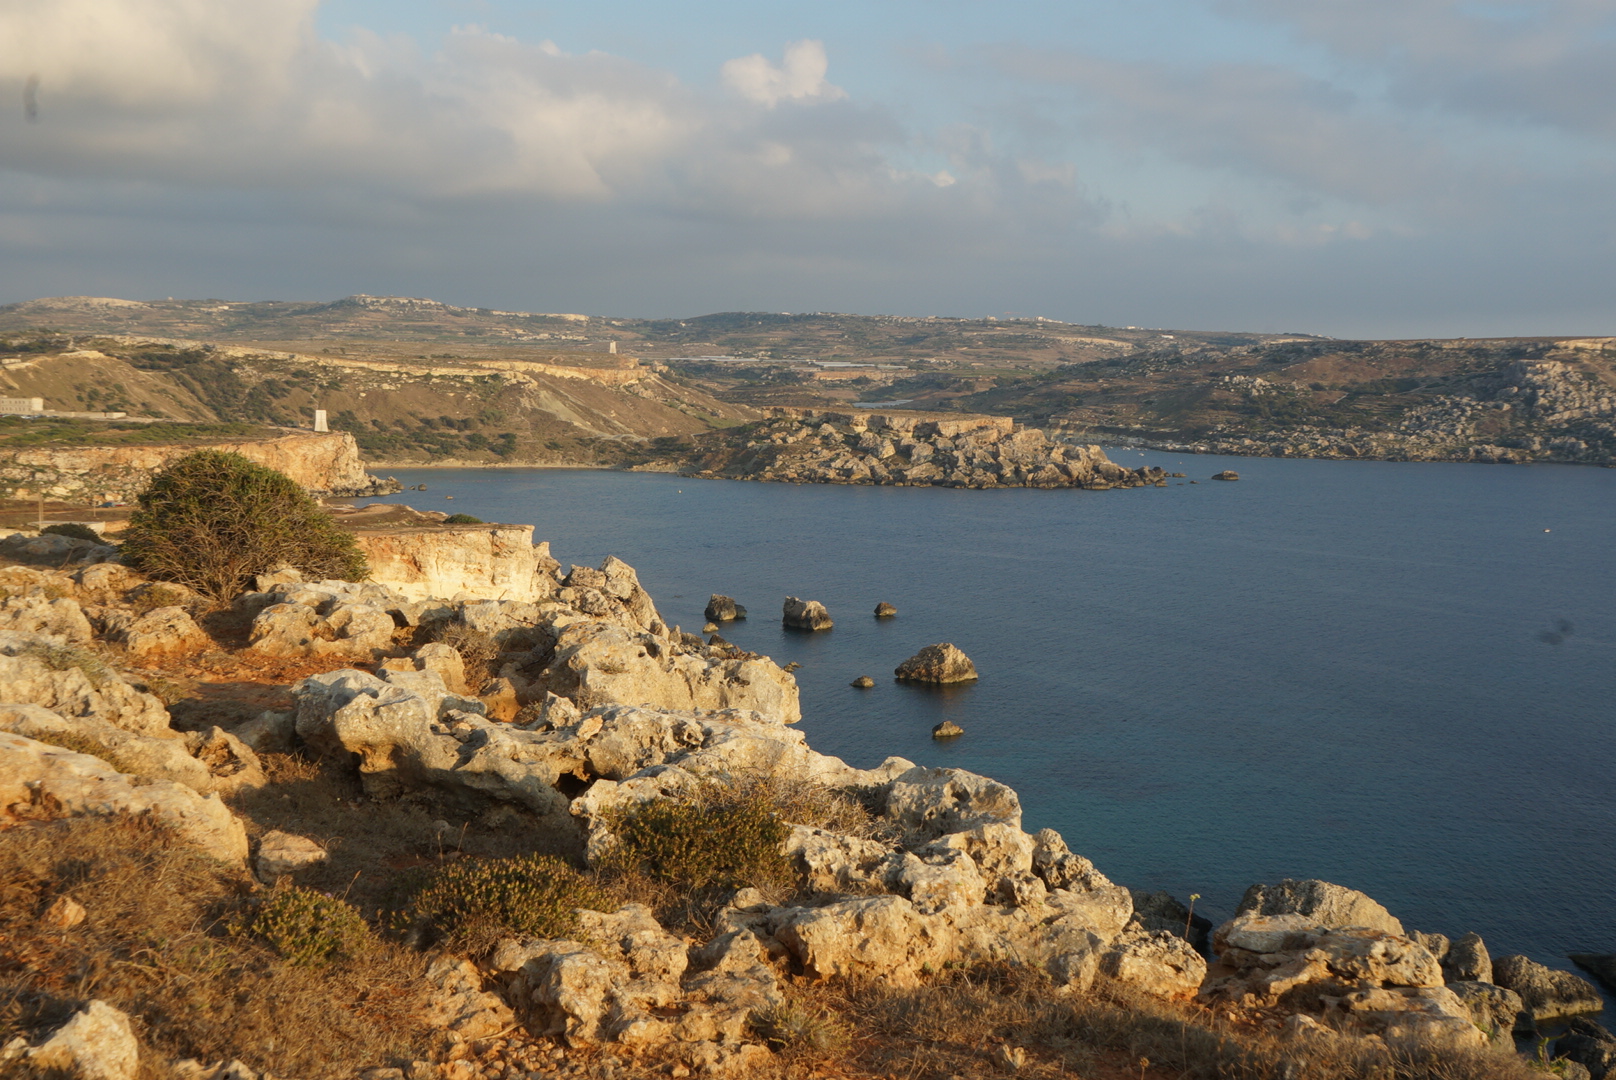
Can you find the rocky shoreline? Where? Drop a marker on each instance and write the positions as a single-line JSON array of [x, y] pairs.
[[899, 449], [580, 705]]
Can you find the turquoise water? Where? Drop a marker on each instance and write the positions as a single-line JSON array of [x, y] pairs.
[[1398, 677]]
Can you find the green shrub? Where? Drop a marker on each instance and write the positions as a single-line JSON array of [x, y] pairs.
[[475, 902], [462, 519], [798, 1027], [310, 928], [74, 531], [729, 838], [211, 520]]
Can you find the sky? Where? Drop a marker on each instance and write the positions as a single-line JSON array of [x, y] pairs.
[[1356, 168]]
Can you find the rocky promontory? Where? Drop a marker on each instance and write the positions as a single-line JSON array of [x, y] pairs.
[[900, 448], [342, 752]]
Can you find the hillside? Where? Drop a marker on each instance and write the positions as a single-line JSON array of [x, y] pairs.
[[481, 385]]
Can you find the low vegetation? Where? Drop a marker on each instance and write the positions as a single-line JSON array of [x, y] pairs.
[[211, 520], [473, 903]]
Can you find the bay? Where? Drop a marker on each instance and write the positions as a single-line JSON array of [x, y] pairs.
[[1395, 676]]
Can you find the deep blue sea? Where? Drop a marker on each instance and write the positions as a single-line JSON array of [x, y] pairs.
[[1399, 677]]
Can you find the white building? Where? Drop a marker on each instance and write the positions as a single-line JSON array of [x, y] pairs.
[[15, 405]]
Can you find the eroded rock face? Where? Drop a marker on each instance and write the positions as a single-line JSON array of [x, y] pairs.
[[1494, 1010], [157, 634], [1546, 993], [805, 615], [328, 618], [42, 782], [1155, 961], [157, 758], [1323, 903], [74, 683], [941, 663], [930, 803], [60, 620], [495, 562]]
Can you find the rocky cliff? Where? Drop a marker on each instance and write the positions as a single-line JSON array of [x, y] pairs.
[[323, 463]]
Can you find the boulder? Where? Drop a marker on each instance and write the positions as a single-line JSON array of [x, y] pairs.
[[75, 683], [144, 756], [929, 803], [459, 1003], [863, 682], [282, 853], [42, 782], [270, 732], [805, 615], [879, 937], [1321, 902], [1156, 962], [1226, 474], [947, 730], [1590, 1045], [1162, 911], [885, 610], [232, 765], [723, 609], [941, 663], [60, 621], [157, 634], [98, 1043], [1601, 966], [321, 620], [1494, 1010], [1546, 993], [1466, 960]]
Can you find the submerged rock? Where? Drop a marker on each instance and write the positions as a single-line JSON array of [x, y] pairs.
[[941, 663], [1226, 474]]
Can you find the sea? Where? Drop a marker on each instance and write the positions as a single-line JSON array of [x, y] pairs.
[[1399, 677]]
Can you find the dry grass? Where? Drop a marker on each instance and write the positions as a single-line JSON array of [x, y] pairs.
[[478, 649], [155, 945]]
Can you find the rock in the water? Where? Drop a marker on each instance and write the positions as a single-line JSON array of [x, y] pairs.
[[884, 610], [1331, 906], [1226, 474], [1590, 1045], [946, 730], [98, 1043], [863, 682], [285, 853], [805, 615], [1467, 961], [1546, 993], [1601, 966], [710, 628], [940, 663], [723, 609]]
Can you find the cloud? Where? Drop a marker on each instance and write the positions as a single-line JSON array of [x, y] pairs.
[[799, 77]]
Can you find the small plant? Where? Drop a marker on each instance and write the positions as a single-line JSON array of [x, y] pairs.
[[1189, 917], [309, 928], [724, 839], [462, 519], [211, 520], [474, 902], [795, 1027], [73, 531]]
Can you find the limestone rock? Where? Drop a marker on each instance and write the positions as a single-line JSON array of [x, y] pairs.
[[232, 765], [1467, 961], [141, 755], [938, 881], [930, 803], [75, 683], [1159, 963], [832, 863], [270, 732], [461, 1005], [1226, 474], [159, 633], [885, 610], [282, 853], [723, 609], [941, 663], [947, 730], [60, 621], [805, 615], [1492, 1008], [863, 682], [881, 937], [1546, 993], [497, 561], [1161, 911], [42, 782], [1326, 904], [1590, 1045], [98, 1043], [331, 618], [64, 913]]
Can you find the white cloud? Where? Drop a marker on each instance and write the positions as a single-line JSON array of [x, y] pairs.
[[800, 76]]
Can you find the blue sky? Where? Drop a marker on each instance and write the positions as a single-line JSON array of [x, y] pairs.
[[1379, 168]]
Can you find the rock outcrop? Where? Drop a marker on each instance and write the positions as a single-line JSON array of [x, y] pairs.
[[1321, 902], [75, 683], [941, 663], [903, 448], [43, 782], [489, 562], [805, 615], [1546, 993], [723, 609]]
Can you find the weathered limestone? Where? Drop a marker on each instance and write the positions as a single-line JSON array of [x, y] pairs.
[[38, 781], [941, 663], [281, 853], [1155, 961], [805, 615], [1323, 903], [328, 618], [157, 634], [723, 609], [1494, 1010], [493, 562], [98, 1043], [75, 683], [153, 757], [60, 621], [1546, 993]]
